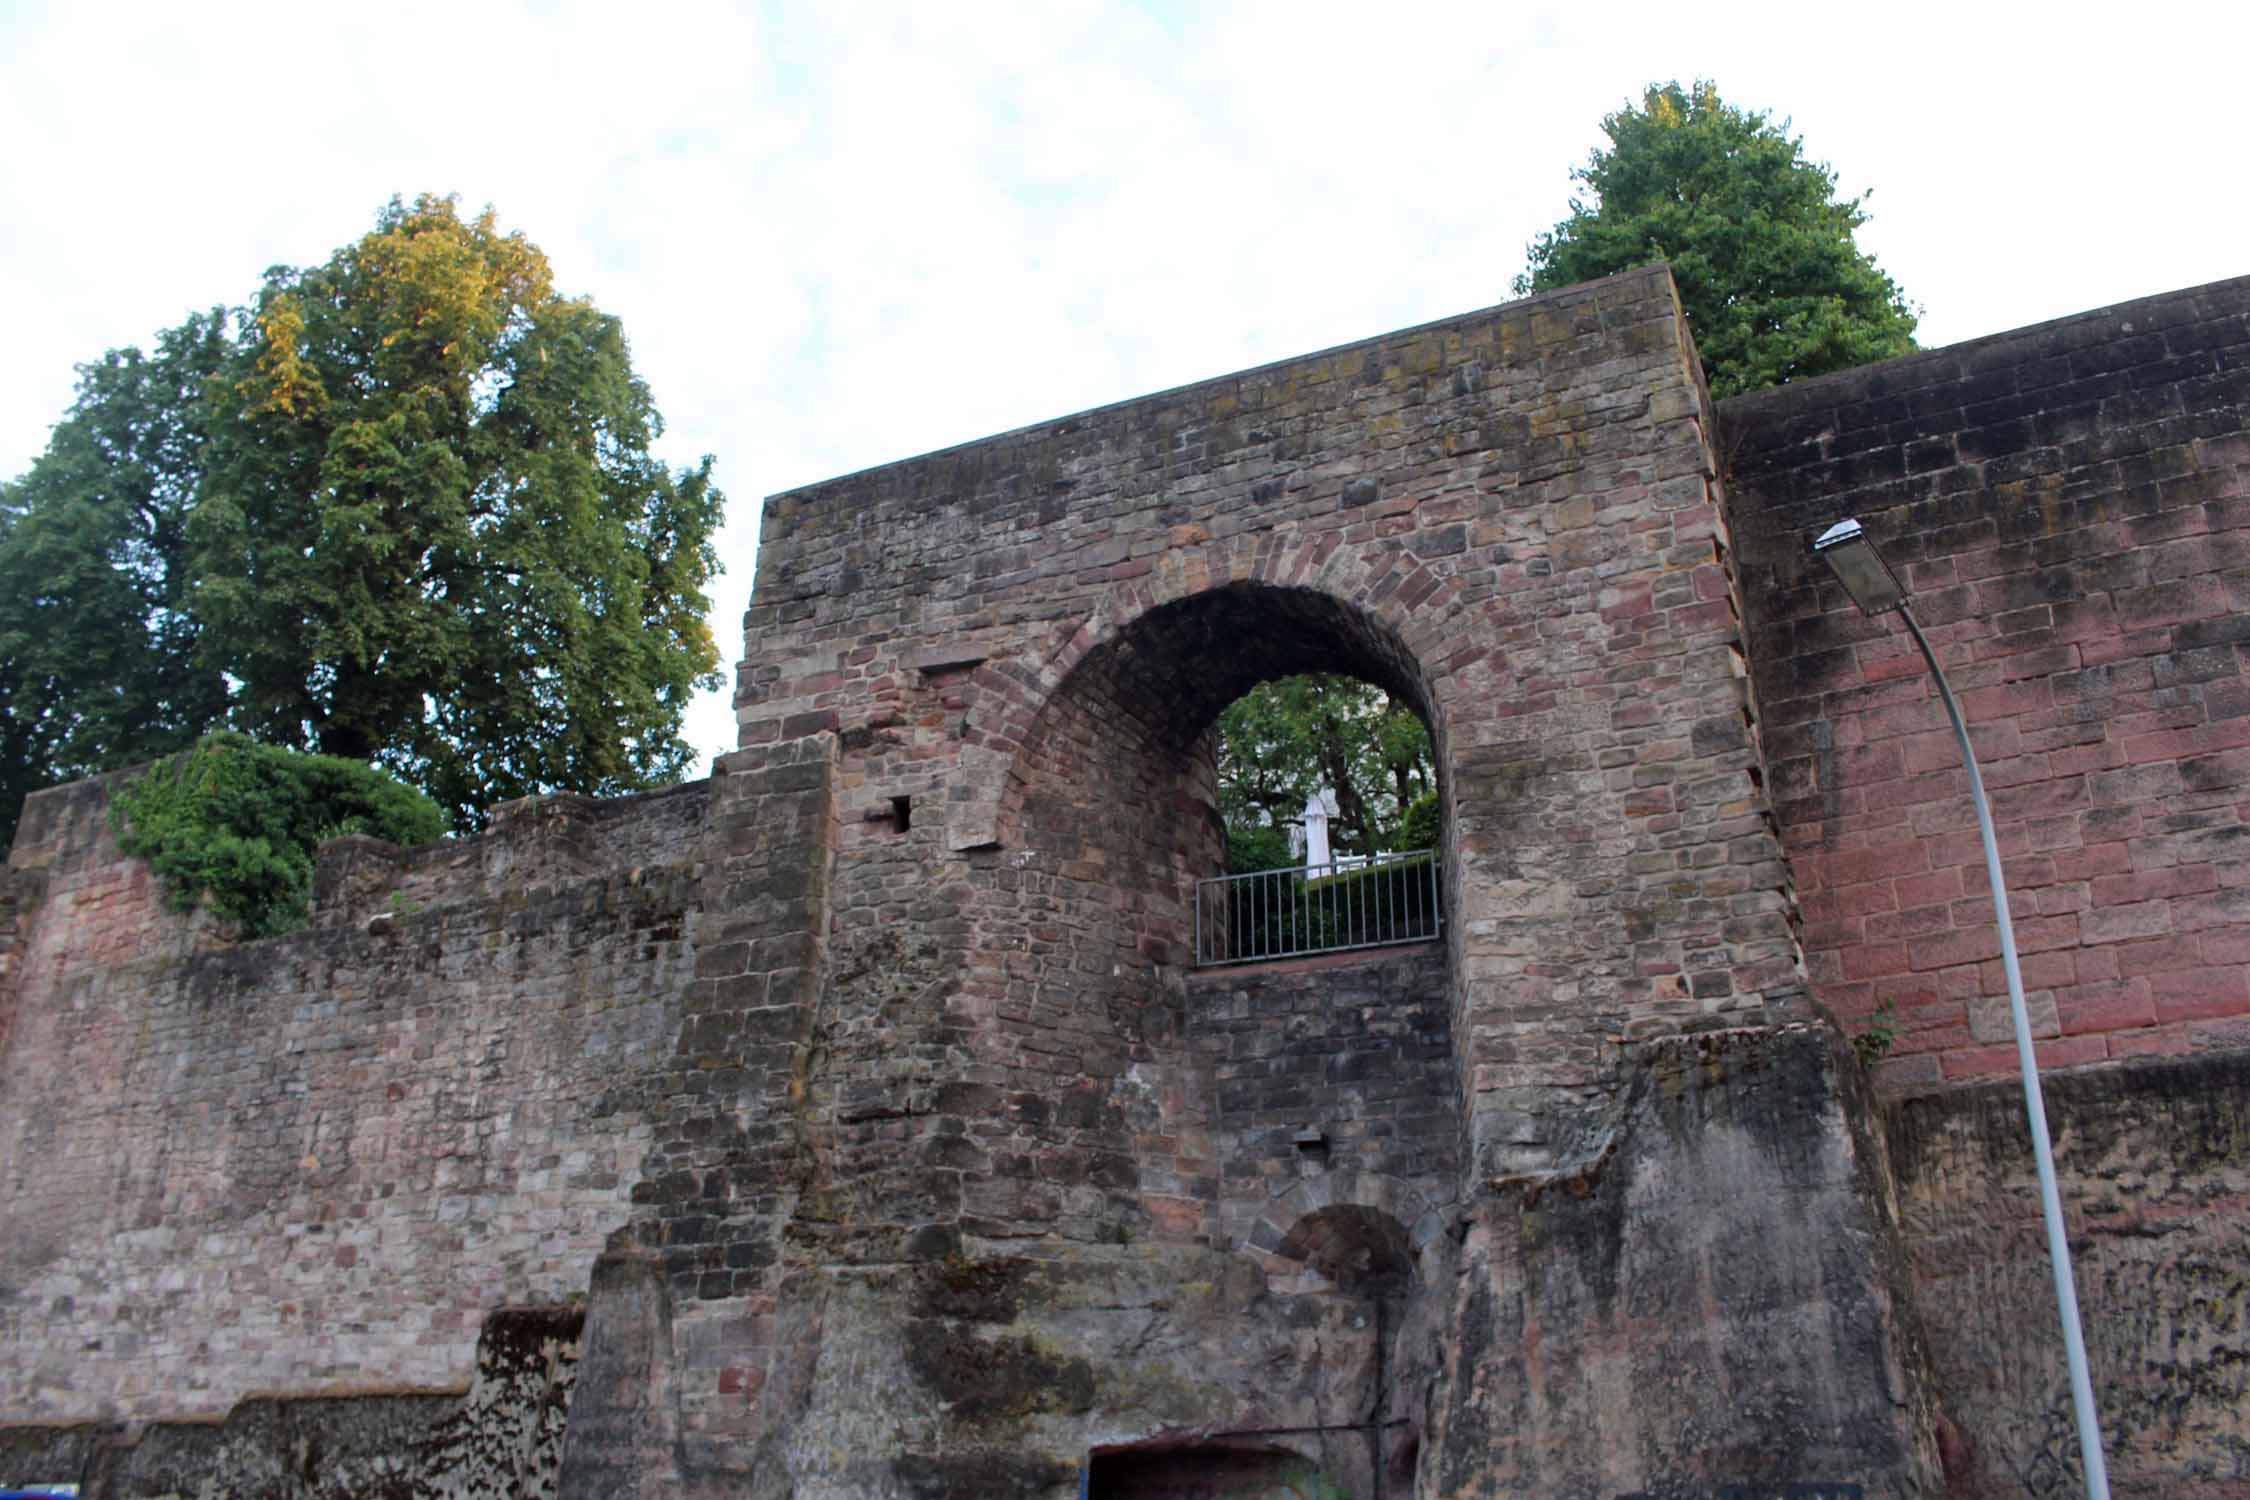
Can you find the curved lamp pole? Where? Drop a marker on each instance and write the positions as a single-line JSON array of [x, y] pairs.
[[1845, 547]]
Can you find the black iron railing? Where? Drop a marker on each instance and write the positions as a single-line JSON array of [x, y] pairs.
[[1349, 903]]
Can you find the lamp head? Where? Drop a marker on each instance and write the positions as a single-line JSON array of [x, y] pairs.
[[1849, 552]]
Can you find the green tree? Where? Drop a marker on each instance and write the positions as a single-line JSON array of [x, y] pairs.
[[409, 515], [99, 664], [1284, 740], [1774, 285]]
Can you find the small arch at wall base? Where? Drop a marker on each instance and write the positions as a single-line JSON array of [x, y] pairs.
[[1221, 1469]]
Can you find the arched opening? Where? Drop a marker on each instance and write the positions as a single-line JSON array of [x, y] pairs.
[[1243, 1469], [1360, 1250], [1119, 779], [1145, 1100]]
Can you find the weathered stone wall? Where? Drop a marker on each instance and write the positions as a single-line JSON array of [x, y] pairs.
[[1354, 1051], [1715, 1303], [2070, 506], [316, 1163], [2154, 1160], [503, 1436], [1508, 518], [1005, 660], [870, 1094]]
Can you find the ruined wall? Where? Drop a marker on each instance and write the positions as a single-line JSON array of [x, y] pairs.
[[2070, 506], [2154, 1162], [501, 1436], [318, 1163], [1507, 518], [1354, 1051], [1715, 1304], [870, 1096], [1039, 1158]]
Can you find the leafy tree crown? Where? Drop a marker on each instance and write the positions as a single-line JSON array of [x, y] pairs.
[[1774, 285], [402, 507], [1287, 739]]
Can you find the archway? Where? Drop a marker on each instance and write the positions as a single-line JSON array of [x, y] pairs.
[[1170, 1106], [1116, 780]]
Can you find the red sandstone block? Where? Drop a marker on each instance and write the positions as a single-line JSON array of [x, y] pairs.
[[2041, 971], [2224, 945], [2100, 650], [2197, 994], [2166, 1043], [1901, 719], [1900, 1073], [1929, 889], [1876, 960], [2040, 799], [2136, 784], [2097, 965], [2083, 619], [1919, 922], [2214, 553], [2225, 908], [1985, 1062], [2198, 598], [1880, 862], [2006, 700], [2019, 770], [2195, 739], [2076, 760], [1912, 790], [1864, 899], [1962, 946], [2121, 922], [2104, 1007], [2227, 700], [1862, 765], [1965, 850], [2152, 885], [2156, 956]]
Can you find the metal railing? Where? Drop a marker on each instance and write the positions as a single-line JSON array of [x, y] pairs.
[[1349, 903]]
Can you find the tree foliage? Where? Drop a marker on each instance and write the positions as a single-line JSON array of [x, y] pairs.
[[234, 825], [1774, 285], [99, 664], [1285, 740], [401, 507]]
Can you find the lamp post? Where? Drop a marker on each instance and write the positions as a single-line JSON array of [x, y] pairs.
[[1845, 547]]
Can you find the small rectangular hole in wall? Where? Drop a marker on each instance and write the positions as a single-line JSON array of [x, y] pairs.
[[902, 812]]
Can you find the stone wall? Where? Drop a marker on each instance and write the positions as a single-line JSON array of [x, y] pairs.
[[2070, 507], [2154, 1160], [502, 1436], [1507, 518], [316, 1163], [870, 1096], [1334, 1085]]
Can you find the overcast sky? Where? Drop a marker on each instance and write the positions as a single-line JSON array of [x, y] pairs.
[[840, 234]]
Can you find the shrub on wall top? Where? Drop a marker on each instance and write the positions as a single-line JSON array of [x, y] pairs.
[[233, 825]]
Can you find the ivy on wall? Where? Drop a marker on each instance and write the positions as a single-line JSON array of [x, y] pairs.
[[233, 825]]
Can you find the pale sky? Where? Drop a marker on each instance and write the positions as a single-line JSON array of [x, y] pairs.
[[840, 234]]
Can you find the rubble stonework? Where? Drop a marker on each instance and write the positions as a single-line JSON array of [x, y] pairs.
[[868, 1098]]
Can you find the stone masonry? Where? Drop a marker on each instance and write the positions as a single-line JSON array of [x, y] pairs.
[[864, 1107]]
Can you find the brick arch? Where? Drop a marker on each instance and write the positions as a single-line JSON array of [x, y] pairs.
[[1412, 608], [1349, 1226]]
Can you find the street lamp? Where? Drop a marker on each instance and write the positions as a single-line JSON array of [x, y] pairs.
[[1845, 547]]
